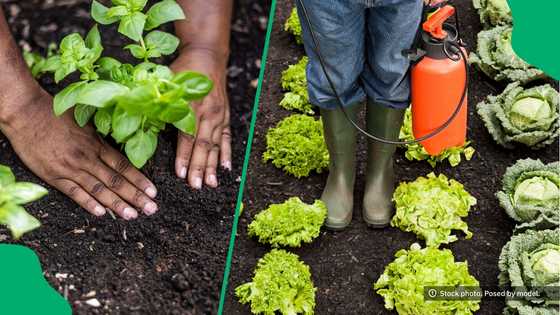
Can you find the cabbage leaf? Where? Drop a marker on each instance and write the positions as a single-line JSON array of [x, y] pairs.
[[493, 12], [294, 82]]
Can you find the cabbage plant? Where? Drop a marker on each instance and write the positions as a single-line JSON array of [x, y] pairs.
[[522, 116], [290, 223], [431, 207], [531, 261], [417, 152], [493, 12], [13, 195], [530, 194], [281, 285], [495, 57], [403, 282], [297, 146]]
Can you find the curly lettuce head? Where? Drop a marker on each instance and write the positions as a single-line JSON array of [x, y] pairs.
[[530, 194], [294, 81], [293, 26], [281, 285], [522, 116], [290, 223], [493, 12], [531, 260], [403, 281], [495, 57], [431, 207], [417, 152], [297, 146]]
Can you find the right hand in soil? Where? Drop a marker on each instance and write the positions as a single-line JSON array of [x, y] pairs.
[[75, 160]]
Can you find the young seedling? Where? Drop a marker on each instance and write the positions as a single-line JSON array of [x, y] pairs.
[[132, 103], [13, 195]]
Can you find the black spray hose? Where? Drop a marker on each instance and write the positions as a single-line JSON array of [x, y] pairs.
[[461, 55]]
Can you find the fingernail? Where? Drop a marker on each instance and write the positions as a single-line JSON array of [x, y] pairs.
[[129, 213], [227, 165], [99, 211], [150, 208], [183, 172], [151, 192], [212, 180], [197, 183]]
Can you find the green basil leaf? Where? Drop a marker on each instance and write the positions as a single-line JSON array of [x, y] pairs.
[[72, 45], [63, 71], [99, 14], [141, 147], [100, 93], [138, 5], [139, 100], [163, 12], [67, 98], [162, 42], [124, 124], [196, 85], [102, 120], [174, 111], [17, 219], [132, 26], [187, 124], [121, 2], [118, 11], [6, 176], [93, 38], [137, 51], [105, 65], [83, 113], [52, 64], [22, 193], [163, 72]]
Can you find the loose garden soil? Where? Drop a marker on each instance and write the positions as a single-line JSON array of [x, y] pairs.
[[346, 264], [173, 262]]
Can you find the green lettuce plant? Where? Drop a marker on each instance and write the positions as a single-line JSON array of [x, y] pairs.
[[281, 285], [493, 12], [531, 195], [522, 116], [293, 26], [297, 146], [294, 82], [431, 207], [13, 195], [290, 223], [531, 261], [495, 57], [403, 281], [133, 103], [417, 152]]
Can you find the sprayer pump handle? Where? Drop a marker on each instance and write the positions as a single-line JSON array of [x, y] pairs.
[[434, 24]]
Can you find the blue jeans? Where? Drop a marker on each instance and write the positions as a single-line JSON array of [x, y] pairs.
[[361, 42]]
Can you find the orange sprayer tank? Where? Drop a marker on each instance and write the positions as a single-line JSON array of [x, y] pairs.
[[437, 86]]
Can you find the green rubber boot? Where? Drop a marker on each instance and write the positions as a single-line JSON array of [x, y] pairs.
[[384, 122], [340, 137]]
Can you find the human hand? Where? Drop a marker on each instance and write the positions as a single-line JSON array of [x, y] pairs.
[[197, 156], [75, 160]]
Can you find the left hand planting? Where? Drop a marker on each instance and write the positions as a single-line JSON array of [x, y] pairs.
[[198, 156]]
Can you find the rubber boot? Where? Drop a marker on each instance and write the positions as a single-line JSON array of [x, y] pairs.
[[340, 137], [384, 122]]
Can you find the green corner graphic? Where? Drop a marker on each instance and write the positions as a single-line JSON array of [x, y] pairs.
[[23, 289], [535, 33]]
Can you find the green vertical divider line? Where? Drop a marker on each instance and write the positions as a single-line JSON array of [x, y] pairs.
[[231, 247]]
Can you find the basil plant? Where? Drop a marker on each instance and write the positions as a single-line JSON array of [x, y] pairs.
[[131, 102]]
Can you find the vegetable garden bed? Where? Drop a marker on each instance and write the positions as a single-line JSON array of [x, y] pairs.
[[344, 265], [171, 263]]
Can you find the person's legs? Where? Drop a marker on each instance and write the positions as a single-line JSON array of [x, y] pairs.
[[392, 26], [340, 28]]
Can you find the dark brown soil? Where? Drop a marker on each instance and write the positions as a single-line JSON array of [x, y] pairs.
[[346, 264], [173, 262]]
